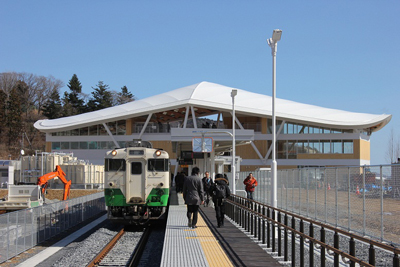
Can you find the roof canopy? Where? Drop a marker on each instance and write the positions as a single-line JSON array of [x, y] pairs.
[[210, 98]]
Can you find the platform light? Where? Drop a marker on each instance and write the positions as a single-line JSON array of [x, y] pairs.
[[233, 166], [273, 43], [276, 35]]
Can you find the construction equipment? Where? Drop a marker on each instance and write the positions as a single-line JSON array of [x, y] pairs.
[[29, 196], [60, 174], [21, 197]]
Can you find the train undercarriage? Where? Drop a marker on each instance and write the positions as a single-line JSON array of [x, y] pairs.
[[136, 214]]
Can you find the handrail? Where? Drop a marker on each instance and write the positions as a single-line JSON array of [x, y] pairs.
[[244, 207], [326, 226]]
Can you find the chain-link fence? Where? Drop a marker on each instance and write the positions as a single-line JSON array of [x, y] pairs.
[[364, 199], [24, 229]]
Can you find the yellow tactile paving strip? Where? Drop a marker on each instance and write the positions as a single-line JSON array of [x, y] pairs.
[[213, 252]]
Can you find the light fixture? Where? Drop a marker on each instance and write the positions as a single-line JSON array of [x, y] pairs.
[[234, 93], [276, 35], [158, 153], [273, 43], [233, 166], [114, 152]]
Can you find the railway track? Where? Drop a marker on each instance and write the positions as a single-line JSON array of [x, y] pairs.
[[119, 251]]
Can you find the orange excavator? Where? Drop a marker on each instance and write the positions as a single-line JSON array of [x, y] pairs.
[[43, 181]]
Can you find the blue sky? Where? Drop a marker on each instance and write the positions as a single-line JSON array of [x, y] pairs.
[[336, 54]]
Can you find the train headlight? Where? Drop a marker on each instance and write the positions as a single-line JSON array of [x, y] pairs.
[[114, 152], [158, 153]]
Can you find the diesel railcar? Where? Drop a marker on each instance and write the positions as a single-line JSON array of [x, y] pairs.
[[137, 184]]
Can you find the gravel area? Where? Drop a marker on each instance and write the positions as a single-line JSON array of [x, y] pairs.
[[122, 252], [86, 250], [44, 245], [82, 251]]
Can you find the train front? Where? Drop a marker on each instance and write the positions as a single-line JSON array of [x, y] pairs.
[[137, 183]]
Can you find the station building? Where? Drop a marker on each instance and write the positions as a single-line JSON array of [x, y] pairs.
[[307, 135]]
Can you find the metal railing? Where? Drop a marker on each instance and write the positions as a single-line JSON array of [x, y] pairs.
[[301, 241], [361, 199], [24, 229]]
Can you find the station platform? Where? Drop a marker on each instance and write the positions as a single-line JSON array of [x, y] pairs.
[[208, 245]]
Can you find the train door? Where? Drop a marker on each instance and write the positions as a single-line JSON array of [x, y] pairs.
[[135, 184]]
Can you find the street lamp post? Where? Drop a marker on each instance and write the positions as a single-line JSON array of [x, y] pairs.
[[22, 153], [233, 168], [273, 43]]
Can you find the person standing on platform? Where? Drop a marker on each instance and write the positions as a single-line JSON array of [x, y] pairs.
[[251, 184], [193, 194], [180, 177], [207, 182], [220, 191]]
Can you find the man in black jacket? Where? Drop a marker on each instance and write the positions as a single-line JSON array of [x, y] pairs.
[[179, 179], [193, 194], [207, 182], [220, 191]]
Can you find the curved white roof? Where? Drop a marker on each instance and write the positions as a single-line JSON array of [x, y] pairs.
[[218, 97]]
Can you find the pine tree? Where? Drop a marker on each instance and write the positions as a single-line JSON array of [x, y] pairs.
[[101, 97], [52, 108], [14, 117], [3, 118], [73, 101], [23, 91], [124, 96]]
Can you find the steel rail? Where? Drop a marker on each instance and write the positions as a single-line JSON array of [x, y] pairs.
[[137, 254], [106, 249]]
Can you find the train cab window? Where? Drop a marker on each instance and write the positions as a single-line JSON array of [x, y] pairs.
[[114, 165], [160, 165], [136, 168]]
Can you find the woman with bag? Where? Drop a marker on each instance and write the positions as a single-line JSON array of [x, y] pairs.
[[220, 191]]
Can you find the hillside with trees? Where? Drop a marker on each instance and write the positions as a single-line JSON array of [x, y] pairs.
[[26, 98]]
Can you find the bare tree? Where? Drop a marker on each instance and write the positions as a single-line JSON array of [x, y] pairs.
[[393, 148], [7, 81], [22, 96], [44, 88], [37, 90]]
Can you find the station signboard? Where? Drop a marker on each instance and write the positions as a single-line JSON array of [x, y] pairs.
[[202, 144]]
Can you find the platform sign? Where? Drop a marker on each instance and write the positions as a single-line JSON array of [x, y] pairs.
[[202, 144]]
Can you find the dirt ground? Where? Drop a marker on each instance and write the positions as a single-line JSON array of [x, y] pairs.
[[58, 193]]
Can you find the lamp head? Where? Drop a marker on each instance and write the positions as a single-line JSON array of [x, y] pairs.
[[276, 35], [233, 93]]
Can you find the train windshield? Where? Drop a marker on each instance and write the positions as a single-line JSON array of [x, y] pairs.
[[160, 165], [114, 165], [136, 168]]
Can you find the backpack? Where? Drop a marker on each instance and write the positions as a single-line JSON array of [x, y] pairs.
[[220, 191]]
